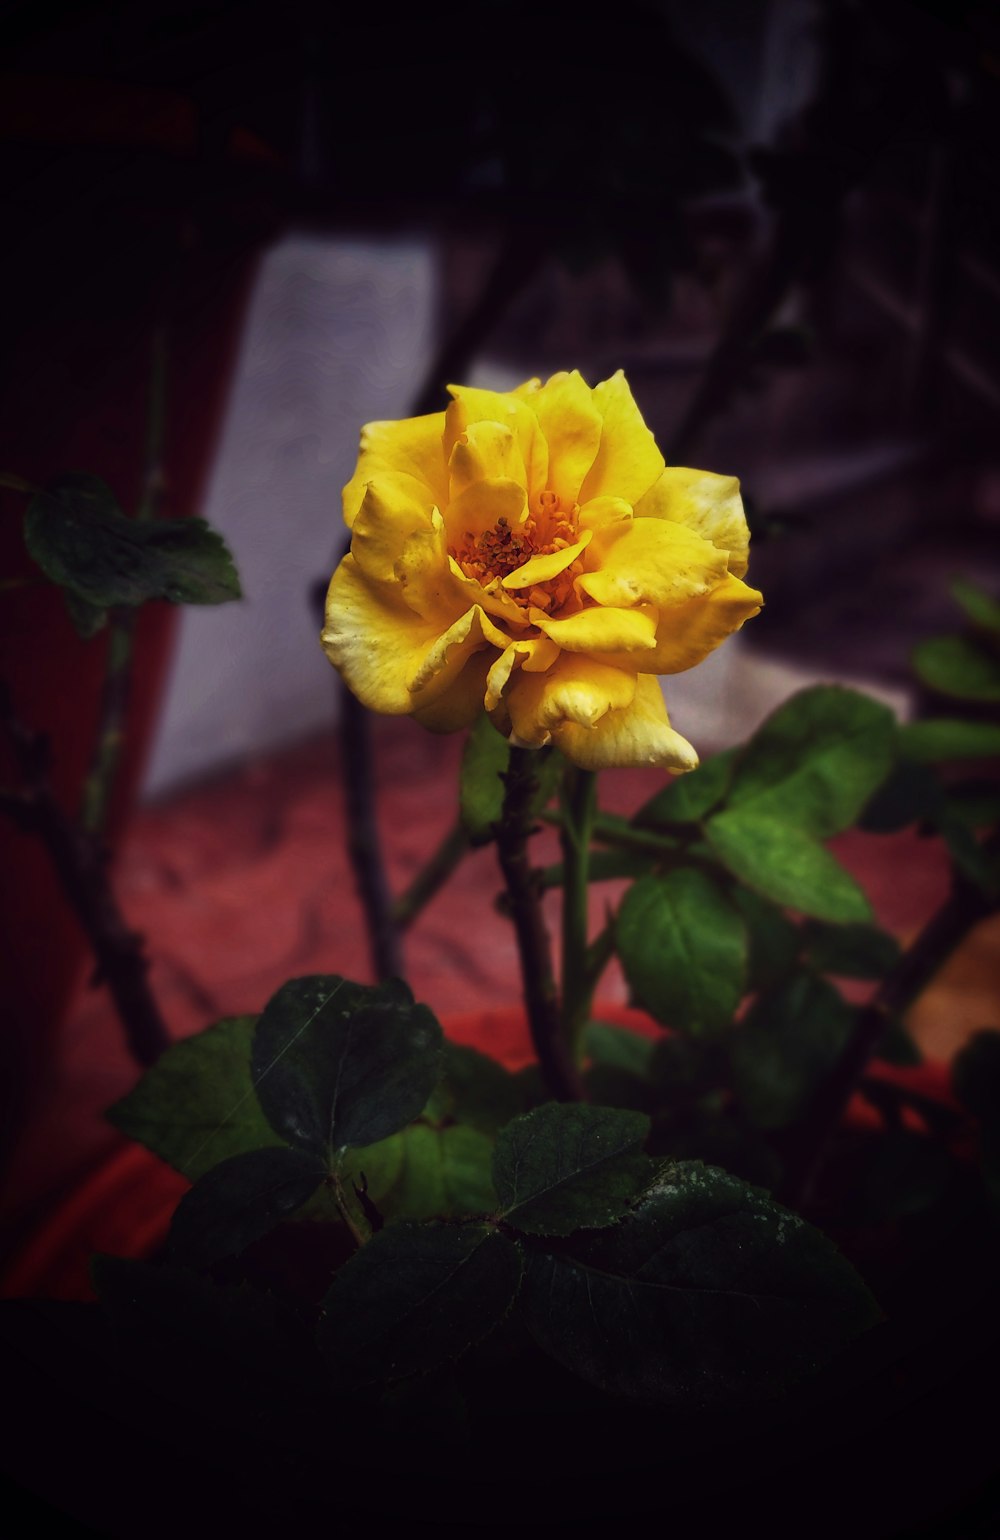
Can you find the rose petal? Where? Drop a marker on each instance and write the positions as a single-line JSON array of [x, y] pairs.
[[534, 654], [412, 447], [541, 569], [600, 630], [632, 735], [709, 504], [575, 689], [471, 406], [628, 461], [650, 561], [571, 425]]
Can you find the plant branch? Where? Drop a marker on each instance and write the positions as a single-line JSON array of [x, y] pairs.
[[363, 846], [98, 789], [579, 795], [80, 860], [555, 1058], [431, 877], [808, 1144]]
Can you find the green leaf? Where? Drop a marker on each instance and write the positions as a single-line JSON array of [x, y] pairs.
[[773, 940], [707, 1292], [958, 666], [785, 864], [980, 607], [816, 761], [618, 1048], [481, 791], [336, 1063], [949, 738], [414, 1298], [975, 803], [428, 1173], [239, 1201], [683, 947], [689, 797], [851, 951], [474, 1090], [911, 793], [78, 535], [569, 1167], [788, 1042], [196, 1106]]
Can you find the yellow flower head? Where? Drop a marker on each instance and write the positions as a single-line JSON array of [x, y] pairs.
[[528, 553]]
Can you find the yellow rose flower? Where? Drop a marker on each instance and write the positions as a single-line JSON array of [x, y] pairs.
[[529, 553]]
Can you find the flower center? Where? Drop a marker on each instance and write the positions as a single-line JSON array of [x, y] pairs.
[[492, 555]]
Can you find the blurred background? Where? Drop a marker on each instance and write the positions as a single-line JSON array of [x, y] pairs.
[[780, 217]]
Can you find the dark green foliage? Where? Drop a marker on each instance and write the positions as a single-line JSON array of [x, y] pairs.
[[683, 947], [787, 1043], [772, 940], [240, 1200], [336, 1063], [79, 536], [484, 759], [707, 1291], [959, 666], [689, 797], [566, 1167], [414, 1298], [424, 1172], [785, 864], [196, 1106], [941, 739], [851, 951]]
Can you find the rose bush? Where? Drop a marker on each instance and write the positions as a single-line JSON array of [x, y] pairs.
[[530, 554]]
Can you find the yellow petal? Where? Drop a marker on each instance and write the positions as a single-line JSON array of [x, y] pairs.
[[629, 736], [486, 450], [601, 630], [704, 502], [534, 654], [482, 505], [541, 569], [650, 561], [389, 514], [471, 406], [462, 702], [440, 663], [571, 425], [600, 511], [372, 637], [628, 461], [412, 447], [492, 598], [689, 632], [575, 689]]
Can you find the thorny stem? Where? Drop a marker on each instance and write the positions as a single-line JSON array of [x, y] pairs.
[[580, 790], [808, 1145], [81, 863], [555, 1057]]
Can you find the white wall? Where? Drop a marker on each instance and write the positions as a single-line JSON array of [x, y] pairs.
[[338, 335]]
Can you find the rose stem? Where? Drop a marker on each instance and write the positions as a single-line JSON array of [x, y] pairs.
[[808, 1145], [98, 788], [579, 798], [81, 862], [555, 1057]]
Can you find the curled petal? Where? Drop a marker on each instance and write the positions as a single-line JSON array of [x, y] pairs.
[[628, 461], [389, 515], [650, 561], [462, 702], [534, 654], [600, 630], [541, 569], [482, 505], [600, 511], [575, 689], [438, 665], [709, 504], [471, 406], [372, 638], [485, 451], [637, 734], [413, 448], [689, 632]]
